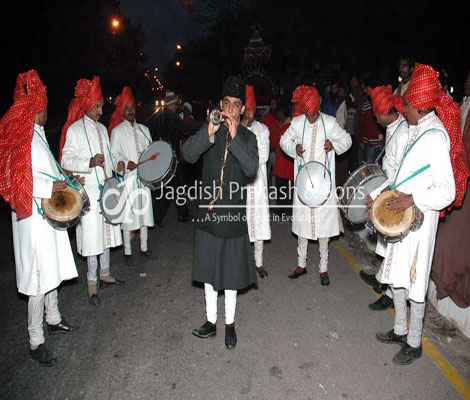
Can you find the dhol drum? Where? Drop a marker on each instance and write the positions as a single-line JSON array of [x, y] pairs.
[[65, 208], [313, 184], [392, 225], [157, 165], [113, 201], [356, 188]]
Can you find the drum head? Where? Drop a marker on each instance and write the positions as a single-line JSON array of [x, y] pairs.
[[113, 201], [316, 174], [63, 206], [388, 222], [154, 170], [356, 199]]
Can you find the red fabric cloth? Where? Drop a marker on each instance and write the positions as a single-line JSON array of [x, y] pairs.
[[250, 101], [87, 94], [383, 100], [283, 165], [126, 98], [424, 93], [16, 134], [306, 99], [274, 130], [466, 136]]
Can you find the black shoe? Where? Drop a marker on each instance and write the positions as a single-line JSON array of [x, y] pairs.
[[230, 336], [94, 300], [407, 354], [261, 272], [371, 280], [324, 279], [43, 356], [391, 337], [129, 260], [62, 327], [185, 218], [148, 254], [297, 272], [105, 284], [383, 303], [207, 330]]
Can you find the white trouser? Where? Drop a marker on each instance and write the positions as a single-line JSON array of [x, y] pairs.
[[126, 236], [92, 262], [259, 244], [211, 304], [379, 275], [416, 317], [302, 247], [36, 316]]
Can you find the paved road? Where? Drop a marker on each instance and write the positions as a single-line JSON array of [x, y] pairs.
[[297, 340]]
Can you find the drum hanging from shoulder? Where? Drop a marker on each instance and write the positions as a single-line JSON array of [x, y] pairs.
[[65, 208], [394, 226], [313, 184], [157, 165], [356, 188], [113, 201]]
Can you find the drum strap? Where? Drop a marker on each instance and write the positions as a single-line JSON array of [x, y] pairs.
[[224, 162], [327, 161], [140, 129], [57, 164], [405, 154], [386, 144]]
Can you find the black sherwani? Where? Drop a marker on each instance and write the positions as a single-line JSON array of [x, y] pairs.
[[223, 254]]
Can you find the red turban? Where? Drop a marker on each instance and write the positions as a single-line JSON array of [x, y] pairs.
[[16, 134], [124, 99], [383, 100], [424, 93], [306, 99], [87, 94], [250, 101]]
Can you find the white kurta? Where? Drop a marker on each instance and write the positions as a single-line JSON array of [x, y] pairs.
[[324, 221], [403, 89], [464, 109], [432, 190], [257, 205], [396, 140], [43, 254], [85, 138], [342, 115], [128, 142]]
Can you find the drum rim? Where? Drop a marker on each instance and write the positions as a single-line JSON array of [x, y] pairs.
[[172, 160], [58, 218], [105, 216], [379, 227]]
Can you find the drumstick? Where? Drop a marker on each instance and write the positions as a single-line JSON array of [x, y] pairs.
[[309, 177], [151, 158]]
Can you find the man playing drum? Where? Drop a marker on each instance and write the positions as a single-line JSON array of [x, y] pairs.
[[423, 179], [223, 257], [312, 136], [85, 150], [43, 254], [128, 140], [257, 204], [388, 109]]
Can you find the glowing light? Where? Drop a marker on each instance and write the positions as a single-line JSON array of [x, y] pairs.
[[178, 46], [178, 63], [156, 69], [451, 89], [115, 23], [400, 79]]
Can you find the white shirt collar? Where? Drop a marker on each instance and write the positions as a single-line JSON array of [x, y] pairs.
[[89, 120], [130, 124]]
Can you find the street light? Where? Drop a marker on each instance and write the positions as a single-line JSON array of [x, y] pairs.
[[178, 63], [115, 23], [178, 47]]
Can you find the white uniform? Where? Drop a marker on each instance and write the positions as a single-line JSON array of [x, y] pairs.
[[257, 205], [404, 86], [325, 221], [43, 255], [128, 142], [85, 138]]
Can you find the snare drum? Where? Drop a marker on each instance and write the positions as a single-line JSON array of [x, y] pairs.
[[159, 172], [65, 208], [113, 201], [357, 187], [392, 225], [313, 184]]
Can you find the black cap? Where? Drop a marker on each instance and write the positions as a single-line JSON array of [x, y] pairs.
[[234, 87]]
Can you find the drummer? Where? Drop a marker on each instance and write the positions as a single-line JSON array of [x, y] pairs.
[[314, 136], [128, 140], [43, 255], [424, 179], [85, 150], [388, 109]]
